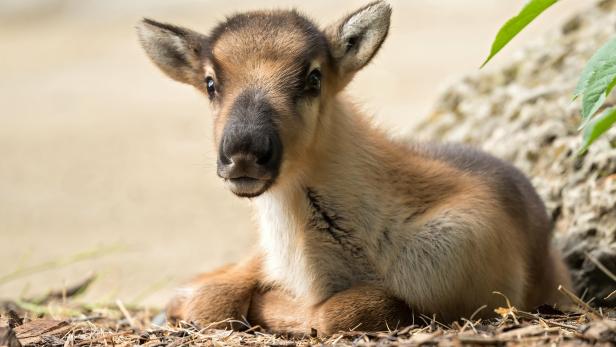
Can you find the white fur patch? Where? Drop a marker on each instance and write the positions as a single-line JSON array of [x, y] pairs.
[[281, 239]]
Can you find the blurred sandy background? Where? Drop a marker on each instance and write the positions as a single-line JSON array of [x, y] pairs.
[[98, 149]]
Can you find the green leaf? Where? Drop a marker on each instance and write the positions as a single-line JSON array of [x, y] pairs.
[[606, 53], [514, 25], [598, 86], [597, 127]]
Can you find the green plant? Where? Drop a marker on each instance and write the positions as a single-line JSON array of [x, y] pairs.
[[596, 82]]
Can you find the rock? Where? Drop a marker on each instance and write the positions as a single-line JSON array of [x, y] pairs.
[[523, 114]]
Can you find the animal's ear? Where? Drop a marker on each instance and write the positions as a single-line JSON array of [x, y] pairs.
[[356, 38], [176, 51]]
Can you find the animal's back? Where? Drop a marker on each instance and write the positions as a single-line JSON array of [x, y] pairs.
[[518, 198]]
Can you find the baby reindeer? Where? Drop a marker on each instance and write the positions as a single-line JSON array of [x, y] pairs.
[[356, 230]]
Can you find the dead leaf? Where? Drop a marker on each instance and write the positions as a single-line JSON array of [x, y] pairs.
[[34, 332]]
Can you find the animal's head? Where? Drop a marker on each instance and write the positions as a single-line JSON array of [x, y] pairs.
[[269, 77]]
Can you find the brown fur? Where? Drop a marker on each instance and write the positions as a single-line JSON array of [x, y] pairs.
[[358, 231], [237, 297], [231, 287]]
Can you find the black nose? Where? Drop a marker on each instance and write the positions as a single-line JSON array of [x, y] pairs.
[[250, 148], [249, 153]]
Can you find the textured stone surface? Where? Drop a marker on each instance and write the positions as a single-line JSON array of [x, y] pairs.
[[524, 114]]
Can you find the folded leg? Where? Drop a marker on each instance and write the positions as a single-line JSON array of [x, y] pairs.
[[217, 298]]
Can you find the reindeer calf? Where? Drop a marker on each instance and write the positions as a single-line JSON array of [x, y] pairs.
[[356, 229]]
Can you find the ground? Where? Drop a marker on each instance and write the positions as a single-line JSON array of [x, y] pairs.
[[56, 321]]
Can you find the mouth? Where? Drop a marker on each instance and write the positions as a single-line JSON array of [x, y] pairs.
[[247, 187]]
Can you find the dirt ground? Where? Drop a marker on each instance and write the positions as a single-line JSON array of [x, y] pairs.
[[98, 149], [71, 325]]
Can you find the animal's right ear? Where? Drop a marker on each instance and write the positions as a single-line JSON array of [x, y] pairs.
[[356, 38], [176, 51]]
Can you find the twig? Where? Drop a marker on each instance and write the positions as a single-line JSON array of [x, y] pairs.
[[433, 320], [253, 328], [337, 340], [601, 267], [469, 323], [578, 301], [477, 312], [65, 293], [558, 324], [126, 314], [547, 322]]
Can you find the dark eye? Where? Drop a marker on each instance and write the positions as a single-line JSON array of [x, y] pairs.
[[313, 83], [211, 86]]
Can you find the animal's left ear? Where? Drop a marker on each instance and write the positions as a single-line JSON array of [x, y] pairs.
[[356, 38], [175, 50]]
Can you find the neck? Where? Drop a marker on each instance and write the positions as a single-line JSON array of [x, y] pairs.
[[347, 153], [344, 164], [347, 149]]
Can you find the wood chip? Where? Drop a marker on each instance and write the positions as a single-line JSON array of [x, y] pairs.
[[35, 332]]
